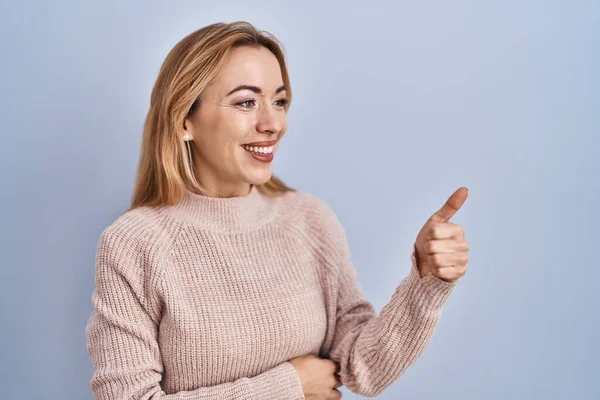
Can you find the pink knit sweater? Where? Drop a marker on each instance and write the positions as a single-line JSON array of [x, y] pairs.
[[210, 299]]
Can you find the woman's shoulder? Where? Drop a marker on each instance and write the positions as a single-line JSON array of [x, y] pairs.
[[139, 229], [307, 204], [313, 210], [312, 218]]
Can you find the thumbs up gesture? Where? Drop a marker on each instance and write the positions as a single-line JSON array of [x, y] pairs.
[[441, 246]]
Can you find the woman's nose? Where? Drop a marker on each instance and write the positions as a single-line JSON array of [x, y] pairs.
[[269, 120]]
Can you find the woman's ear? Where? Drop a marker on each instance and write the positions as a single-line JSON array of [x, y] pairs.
[[187, 136]]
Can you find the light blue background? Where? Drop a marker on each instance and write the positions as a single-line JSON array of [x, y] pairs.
[[396, 105]]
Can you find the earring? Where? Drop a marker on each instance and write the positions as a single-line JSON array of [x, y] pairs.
[[187, 138]]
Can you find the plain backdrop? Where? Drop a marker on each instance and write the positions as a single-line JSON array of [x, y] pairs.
[[396, 105]]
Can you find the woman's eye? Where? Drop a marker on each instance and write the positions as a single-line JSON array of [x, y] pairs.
[[246, 103], [281, 102]]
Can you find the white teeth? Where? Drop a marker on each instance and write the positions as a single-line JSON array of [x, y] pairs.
[[259, 150]]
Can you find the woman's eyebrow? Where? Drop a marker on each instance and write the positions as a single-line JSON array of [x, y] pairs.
[[254, 89]]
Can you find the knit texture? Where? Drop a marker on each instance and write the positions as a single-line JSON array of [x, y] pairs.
[[211, 298]]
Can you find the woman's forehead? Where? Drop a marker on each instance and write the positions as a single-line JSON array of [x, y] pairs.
[[256, 67]]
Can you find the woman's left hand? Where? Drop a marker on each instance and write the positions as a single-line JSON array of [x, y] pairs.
[[441, 246]]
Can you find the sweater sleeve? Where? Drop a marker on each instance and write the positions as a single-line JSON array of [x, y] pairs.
[[374, 350], [121, 336]]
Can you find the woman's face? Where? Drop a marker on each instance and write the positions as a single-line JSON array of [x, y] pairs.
[[245, 104]]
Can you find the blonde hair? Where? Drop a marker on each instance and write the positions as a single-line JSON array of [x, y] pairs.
[[164, 169]]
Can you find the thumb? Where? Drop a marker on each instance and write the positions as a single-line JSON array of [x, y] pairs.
[[451, 206]]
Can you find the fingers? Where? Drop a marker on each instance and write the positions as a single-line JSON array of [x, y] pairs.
[[450, 273], [337, 381], [334, 371], [334, 367], [446, 230], [446, 246], [448, 260]]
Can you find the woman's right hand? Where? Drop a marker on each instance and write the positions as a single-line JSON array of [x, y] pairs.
[[318, 377]]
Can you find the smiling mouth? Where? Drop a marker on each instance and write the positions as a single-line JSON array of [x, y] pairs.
[[259, 150], [265, 143]]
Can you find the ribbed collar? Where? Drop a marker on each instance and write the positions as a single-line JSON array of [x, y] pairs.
[[227, 214]]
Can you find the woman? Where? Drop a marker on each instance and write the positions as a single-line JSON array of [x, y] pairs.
[[221, 282]]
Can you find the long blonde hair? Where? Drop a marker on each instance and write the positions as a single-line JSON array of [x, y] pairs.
[[164, 170]]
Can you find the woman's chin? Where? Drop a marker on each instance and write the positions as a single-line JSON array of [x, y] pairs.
[[256, 174], [259, 178]]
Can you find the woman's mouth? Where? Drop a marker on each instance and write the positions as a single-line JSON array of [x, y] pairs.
[[260, 153]]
